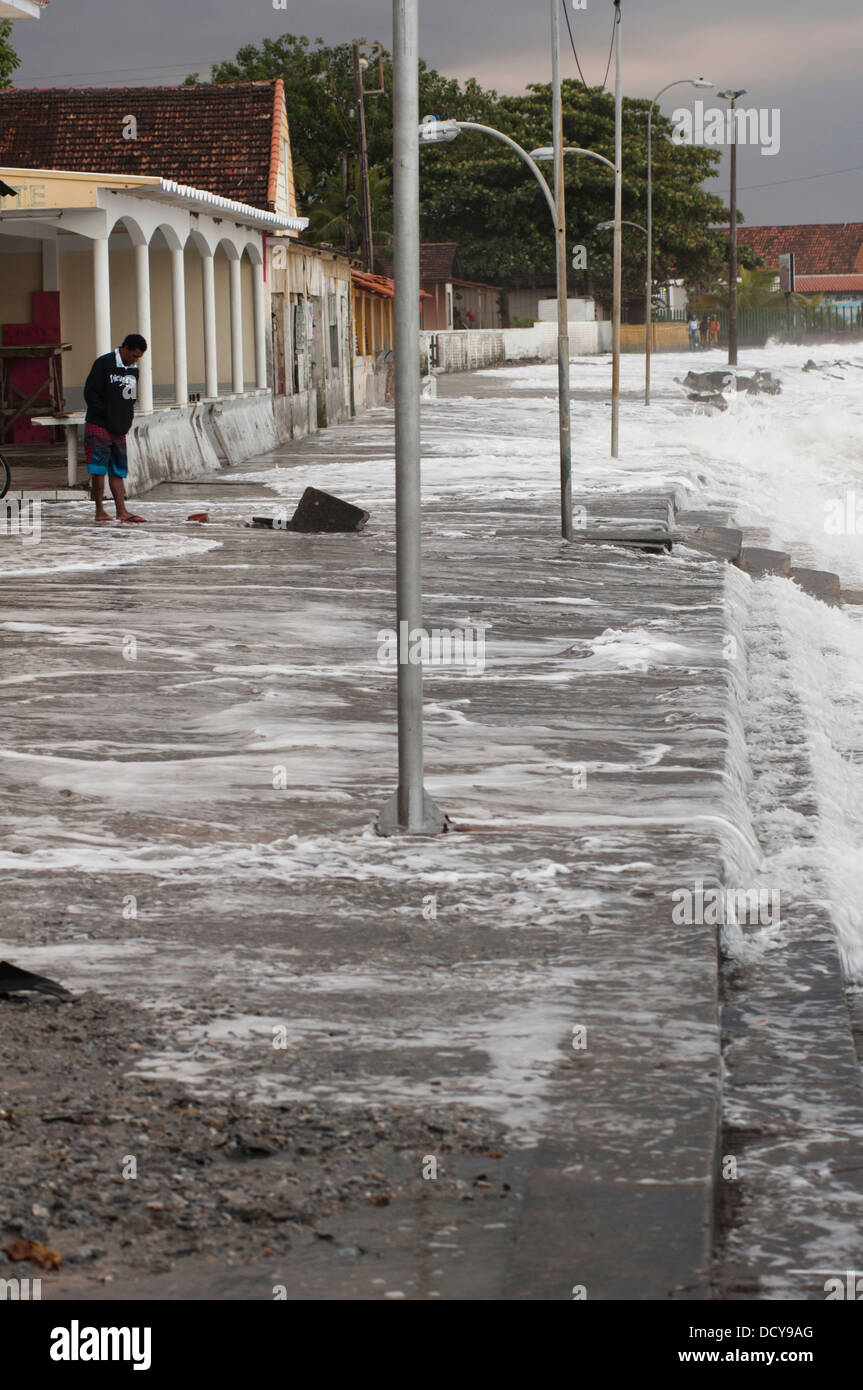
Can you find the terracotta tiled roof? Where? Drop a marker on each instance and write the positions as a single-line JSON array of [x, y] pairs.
[[828, 284], [375, 284], [221, 138], [438, 260], [820, 248]]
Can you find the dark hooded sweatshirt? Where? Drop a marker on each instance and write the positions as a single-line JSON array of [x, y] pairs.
[[110, 391]]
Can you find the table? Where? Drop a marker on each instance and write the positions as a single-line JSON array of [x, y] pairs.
[[70, 423], [12, 409]]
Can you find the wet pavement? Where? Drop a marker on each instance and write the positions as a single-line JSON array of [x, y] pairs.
[[485, 1064]]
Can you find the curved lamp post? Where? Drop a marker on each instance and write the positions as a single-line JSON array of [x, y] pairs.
[[648, 305], [731, 96], [433, 132]]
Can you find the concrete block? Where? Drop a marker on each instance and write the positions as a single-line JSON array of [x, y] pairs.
[[720, 542], [320, 511], [820, 584], [756, 562], [701, 518]]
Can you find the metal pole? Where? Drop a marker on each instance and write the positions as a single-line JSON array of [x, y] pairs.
[[618, 239], [410, 809], [368, 245], [648, 290], [562, 307], [732, 258]]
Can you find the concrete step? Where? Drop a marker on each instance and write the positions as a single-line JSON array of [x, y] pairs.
[[720, 542], [689, 520], [39, 494], [821, 584], [756, 561]]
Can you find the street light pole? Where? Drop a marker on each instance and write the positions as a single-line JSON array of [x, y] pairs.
[[562, 293], [732, 251], [410, 809], [648, 296], [359, 97], [618, 238]]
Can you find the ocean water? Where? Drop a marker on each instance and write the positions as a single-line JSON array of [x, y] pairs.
[[791, 468]]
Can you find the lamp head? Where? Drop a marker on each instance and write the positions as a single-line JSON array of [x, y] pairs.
[[543, 154], [433, 131], [604, 226], [700, 82]]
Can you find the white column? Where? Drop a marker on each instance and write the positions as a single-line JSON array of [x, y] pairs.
[[237, 326], [142, 301], [178, 314], [260, 326], [211, 350], [102, 295], [50, 264]]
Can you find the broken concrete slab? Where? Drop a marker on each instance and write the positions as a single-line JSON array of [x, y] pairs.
[[756, 561], [821, 584], [854, 596], [720, 542], [317, 513], [320, 511], [15, 981], [710, 517]]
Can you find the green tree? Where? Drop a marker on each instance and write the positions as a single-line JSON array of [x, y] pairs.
[[9, 59], [328, 213], [477, 193]]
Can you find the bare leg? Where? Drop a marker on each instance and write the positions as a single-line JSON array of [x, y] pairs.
[[119, 495], [98, 482]]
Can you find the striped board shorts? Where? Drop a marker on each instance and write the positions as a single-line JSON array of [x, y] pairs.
[[105, 452]]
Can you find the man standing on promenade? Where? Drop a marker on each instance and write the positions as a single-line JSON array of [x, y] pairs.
[[110, 391]]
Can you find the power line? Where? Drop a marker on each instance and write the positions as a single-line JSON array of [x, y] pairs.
[[611, 50], [804, 178], [572, 41], [102, 72]]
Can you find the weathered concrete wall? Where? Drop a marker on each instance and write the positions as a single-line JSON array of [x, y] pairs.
[[466, 350], [296, 415], [188, 441], [372, 380]]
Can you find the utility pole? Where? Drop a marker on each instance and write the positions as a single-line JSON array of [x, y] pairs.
[[648, 289], [618, 238], [562, 293], [359, 96], [732, 248], [410, 809]]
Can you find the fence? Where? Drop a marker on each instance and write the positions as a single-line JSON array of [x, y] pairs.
[[795, 325], [463, 350], [665, 337]]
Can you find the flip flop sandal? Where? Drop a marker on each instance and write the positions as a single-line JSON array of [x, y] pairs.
[[122, 519]]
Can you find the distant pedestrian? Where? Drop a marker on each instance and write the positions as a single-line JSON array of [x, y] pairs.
[[703, 330], [693, 333], [713, 331], [110, 391]]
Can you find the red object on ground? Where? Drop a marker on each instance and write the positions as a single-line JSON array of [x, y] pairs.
[[199, 516]]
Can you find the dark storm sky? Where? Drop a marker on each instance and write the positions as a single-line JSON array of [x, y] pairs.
[[802, 58]]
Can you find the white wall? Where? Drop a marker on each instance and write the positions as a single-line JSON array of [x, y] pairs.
[[577, 310], [464, 350]]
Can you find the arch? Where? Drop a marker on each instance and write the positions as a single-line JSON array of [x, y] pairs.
[[172, 237], [229, 246], [253, 250], [134, 227], [203, 239]]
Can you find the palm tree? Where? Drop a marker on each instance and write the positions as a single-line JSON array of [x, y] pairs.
[[756, 289], [335, 215]]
